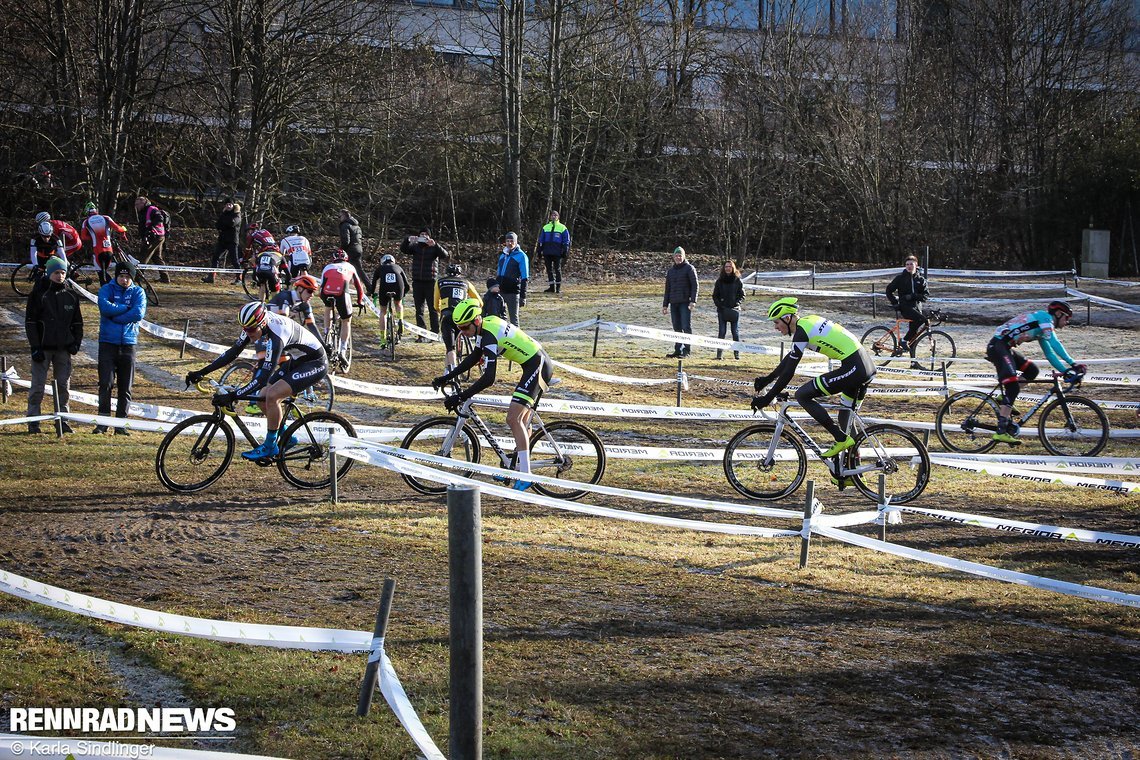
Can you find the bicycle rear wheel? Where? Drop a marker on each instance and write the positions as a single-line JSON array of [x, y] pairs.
[[898, 455], [151, 294], [930, 347], [569, 451], [249, 283], [1082, 431], [975, 414], [24, 279], [390, 331], [195, 453], [749, 473], [880, 342], [306, 464], [430, 437]]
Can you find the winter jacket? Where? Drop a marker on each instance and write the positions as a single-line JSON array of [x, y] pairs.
[[728, 293], [513, 271], [910, 289], [425, 259], [351, 237], [120, 311], [554, 240], [229, 227], [52, 319], [494, 305], [681, 284]]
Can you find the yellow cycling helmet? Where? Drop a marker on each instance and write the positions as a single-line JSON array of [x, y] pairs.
[[783, 307], [465, 312]]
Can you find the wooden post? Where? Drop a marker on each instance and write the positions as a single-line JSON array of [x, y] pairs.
[[465, 563], [882, 501], [372, 669], [597, 329], [805, 540], [680, 370], [56, 406], [185, 333]]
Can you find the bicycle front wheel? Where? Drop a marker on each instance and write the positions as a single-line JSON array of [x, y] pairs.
[[432, 437], [24, 279], [895, 453], [195, 453], [755, 474], [568, 451], [249, 283], [305, 464], [931, 348], [966, 422], [151, 294], [1080, 430], [880, 342]]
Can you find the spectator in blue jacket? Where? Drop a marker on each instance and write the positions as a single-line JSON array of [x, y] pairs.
[[554, 247], [513, 272], [122, 305]]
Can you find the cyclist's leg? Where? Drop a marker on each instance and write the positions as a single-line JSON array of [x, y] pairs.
[[449, 334], [345, 312], [1006, 361], [917, 322], [536, 374], [850, 375]]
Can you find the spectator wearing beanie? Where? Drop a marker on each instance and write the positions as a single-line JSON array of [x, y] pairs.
[[122, 305], [54, 326], [493, 302]]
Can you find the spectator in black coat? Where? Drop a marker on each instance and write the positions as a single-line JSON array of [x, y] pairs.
[[229, 236], [681, 290], [493, 302], [906, 293], [54, 326], [425, 254], [352, 241], [728, 294]]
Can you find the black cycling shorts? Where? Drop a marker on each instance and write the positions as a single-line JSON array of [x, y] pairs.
[[301, 374], [340, 303], [267, 275], [1007, 361], [851, 377], [536, 374], [447, 330], [296, 270]]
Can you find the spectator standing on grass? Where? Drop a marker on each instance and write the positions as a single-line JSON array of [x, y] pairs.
[[54, 326], [352, 243], [513, 271], [493, 303], [425, 254], [681, 291], [152, 231], [906, 293], [122, 305], [554, 247], [229, 235], [728, 294]]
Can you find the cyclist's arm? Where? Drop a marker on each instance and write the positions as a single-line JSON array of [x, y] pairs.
[[473, 293], [892, 291], [306, 312], [32, 252], [231, 353], [786, 369], [59, 250], [267, 363], [1055, 352], [487, 379]]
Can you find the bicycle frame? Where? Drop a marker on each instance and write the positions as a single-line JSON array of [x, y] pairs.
[[997, 396], [467, 413], [856, 426]]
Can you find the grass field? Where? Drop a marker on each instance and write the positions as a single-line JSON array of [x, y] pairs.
[[603, 639]]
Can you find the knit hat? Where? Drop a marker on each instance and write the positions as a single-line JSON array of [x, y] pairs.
[[679, 250], [55, 264], [492, 282], [123, 266]]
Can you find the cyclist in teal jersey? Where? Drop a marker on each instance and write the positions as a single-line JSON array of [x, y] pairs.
[[1038, 325]]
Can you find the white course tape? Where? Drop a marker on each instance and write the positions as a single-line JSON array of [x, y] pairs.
[[819, 293], [584, 324], [616, 379], [405, 461], [276, 636], [696, 340], [1122, 283], [986, 571], [1102, 465], [1038, 476], [1100, 301], [17, 747], [1034, 530]]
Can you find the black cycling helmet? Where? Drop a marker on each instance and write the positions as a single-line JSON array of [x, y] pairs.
[[455, 269], [1056, 308]]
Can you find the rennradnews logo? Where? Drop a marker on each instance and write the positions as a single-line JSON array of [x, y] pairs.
[[132, 720]]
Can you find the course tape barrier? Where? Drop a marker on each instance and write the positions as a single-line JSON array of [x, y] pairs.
[[1038, 476], [258, 634], [1093, 593], [408, 462], [862, 294], [1101, 301], [1034, 530], [1102, 465], [1122, 283], [865, 274], [17, 747]]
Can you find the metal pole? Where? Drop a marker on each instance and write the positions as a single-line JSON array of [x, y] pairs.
[[945, 382], [334, 485], [882, 501], [1088, 312], [185, 333], [926, 262], [805, 539], [4, 378], [597, 329], [372, 669], [874, 306], [55, 405], [680, 369], [465, 562], [813, 276]]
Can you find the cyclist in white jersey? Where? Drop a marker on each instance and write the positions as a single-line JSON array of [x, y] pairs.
[[296, 250], [290, 359]]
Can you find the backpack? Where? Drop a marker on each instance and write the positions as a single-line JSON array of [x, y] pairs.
[[164, 215]]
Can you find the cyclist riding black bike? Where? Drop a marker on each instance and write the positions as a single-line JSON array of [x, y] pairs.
[[390, 282], [449, 291]]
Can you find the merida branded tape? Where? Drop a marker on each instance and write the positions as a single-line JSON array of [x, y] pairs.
[[1033, 530], [1038, 476]]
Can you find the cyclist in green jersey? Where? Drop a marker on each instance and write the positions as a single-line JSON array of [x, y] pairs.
[[496, 337], [849, 380]]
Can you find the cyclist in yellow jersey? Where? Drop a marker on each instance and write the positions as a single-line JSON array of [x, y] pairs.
[[849, 380], [496, 337]]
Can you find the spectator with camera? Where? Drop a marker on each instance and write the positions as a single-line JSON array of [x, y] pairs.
[[425, 254]]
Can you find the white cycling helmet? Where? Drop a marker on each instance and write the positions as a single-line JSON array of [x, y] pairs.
[[46, 229], [42, 217], [387, 258]]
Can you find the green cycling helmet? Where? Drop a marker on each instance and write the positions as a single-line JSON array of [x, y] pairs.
[[465, 312], [89, 209], [783, 307]]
